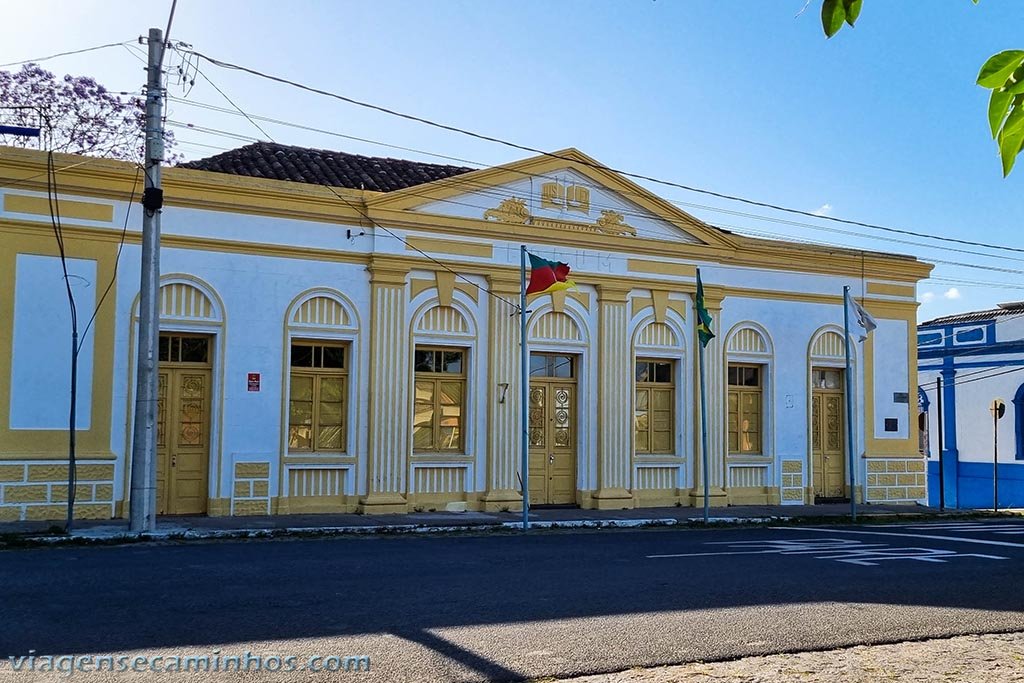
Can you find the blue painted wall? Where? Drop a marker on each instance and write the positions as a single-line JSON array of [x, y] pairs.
[[974, 485]]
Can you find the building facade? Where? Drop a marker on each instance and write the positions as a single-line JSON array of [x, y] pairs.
[[978, 356], [341, 333]]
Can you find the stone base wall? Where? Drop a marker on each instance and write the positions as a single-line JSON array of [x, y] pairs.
[[34, 490], [896, 480]]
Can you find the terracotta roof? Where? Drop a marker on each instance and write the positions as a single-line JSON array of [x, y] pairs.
[[324, 167], [1011, 308]]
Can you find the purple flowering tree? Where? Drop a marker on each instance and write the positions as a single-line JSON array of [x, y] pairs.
[[77, 115]]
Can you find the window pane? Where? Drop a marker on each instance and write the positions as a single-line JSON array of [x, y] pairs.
[[661, 441], [424, 361], [302, 356], [300, 437], [642, 443], [329, 438], [453, 361], [300, 413], [334, 357], [332, 389], [302, 388], [164, 352], [331, 413], [423, 417], [662, 372], [643, 371], [451, 427], [734, 375], [195, 349], [175, 348], [562, 366], [451, 393], [538, 365]]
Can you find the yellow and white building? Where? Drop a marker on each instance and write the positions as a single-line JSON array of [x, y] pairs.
[[319, 354]]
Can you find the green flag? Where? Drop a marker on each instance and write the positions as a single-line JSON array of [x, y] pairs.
[[704, 332]]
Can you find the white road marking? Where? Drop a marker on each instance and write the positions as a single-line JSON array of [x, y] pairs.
[[955, 539], [1003, 529], [838, 549]]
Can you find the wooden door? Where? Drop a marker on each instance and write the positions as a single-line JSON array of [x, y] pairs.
[[553, 435], [828, 441], [183, 429]]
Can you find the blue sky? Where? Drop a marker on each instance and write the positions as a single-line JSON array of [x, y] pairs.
[[882, 123]]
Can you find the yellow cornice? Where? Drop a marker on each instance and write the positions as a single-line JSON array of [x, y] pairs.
[[105, 178]]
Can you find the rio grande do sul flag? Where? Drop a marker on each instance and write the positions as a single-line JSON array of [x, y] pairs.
[[548, 276]]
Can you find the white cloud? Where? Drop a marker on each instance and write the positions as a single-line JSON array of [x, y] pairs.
[[823, 210], [952, 293], [927, 297]]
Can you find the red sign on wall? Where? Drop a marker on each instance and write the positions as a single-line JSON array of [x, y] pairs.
[[254, 381]]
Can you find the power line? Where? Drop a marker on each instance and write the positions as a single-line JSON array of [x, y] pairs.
[[65, 54], [375, 224], [486, 189], [639, 176]]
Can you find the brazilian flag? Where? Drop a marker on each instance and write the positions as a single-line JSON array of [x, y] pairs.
[[704, 332]]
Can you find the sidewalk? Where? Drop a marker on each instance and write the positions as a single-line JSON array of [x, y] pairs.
[[992, 658], [426, 522]]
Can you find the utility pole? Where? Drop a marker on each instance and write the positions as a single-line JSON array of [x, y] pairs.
[[143, 483]]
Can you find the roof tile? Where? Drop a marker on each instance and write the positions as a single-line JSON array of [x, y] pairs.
[[323, 167]]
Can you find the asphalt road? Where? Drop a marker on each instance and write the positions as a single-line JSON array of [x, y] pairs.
[[509, 607]]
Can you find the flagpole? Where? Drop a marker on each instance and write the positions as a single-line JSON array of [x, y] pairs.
[[704, 434], [703, 414], [848, 386], [524, 392]]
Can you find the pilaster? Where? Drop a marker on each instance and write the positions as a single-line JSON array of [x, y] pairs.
[[615, 418], [387, 459], [504, 377]]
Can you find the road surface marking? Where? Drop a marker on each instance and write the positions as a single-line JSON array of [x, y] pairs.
[[838, 549], [955, 539]]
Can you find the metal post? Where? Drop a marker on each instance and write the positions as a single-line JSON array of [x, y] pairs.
[[706, 476], [848, 385], [942, 478], [995, 458], [524, 391], [143, 482]]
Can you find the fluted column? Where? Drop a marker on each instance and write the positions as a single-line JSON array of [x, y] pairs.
[[503, 381], [615, 419], [387, 459], [717, 406]]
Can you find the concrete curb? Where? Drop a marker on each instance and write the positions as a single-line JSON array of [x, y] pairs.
[[105, 536], [101, 536]]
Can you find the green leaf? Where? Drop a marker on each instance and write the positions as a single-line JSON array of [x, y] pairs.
[[998, 68], [1015, 83], [1011, 138], [998, 107], [852, 9], [833, 14]]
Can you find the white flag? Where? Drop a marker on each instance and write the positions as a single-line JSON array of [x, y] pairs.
[[862, 318]]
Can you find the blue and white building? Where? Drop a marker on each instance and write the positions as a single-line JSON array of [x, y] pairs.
[[979, 357]]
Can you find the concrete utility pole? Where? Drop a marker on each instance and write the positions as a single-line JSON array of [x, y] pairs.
[[143, 486]]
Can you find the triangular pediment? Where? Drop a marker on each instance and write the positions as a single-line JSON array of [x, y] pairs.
[[563, 191]]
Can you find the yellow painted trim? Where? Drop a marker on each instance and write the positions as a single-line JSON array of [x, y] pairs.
[[445, 286], [875, 447], [53, 443], [661, 268], [802, 297], [89, 211], [429, 244], [223, 192], [891, 289]]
